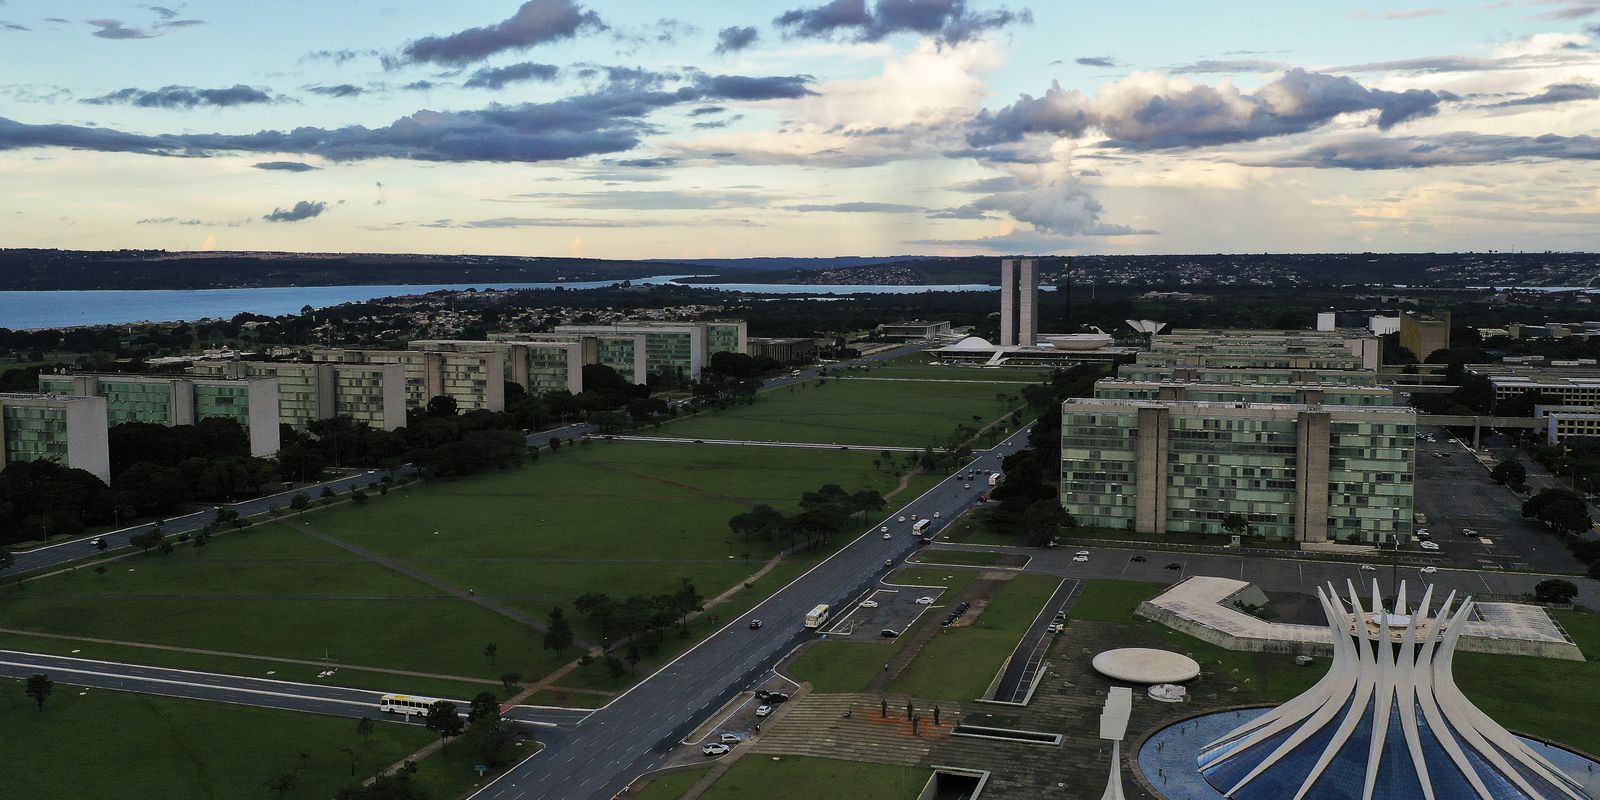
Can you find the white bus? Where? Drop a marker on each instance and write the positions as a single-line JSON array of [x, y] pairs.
[[405, 704], [817, 616], [922, 526]]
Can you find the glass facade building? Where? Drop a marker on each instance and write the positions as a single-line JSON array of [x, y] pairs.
[[475, 380], [180, 400], [1333, 395], [1300, 472], [69, 430], [639, 350], [369, 393]]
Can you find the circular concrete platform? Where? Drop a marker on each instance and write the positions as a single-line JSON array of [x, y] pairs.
[[1144, 665]]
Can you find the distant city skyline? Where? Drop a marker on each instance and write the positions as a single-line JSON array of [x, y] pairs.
[[630, 129]]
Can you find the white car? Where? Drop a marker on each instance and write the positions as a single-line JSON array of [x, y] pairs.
[[902, 518], [1429, 570], [888, 536], [1368, 568], [883, 529], [762, 711], [967, 486], [1430, 546], [1468, 532], [1081, 553], [935, 515], [924, 601], [869, 604], [1080, 558], [730, 738], [715, 749], [1422, 531]]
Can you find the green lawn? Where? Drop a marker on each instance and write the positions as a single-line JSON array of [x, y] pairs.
[[115, 746], [672, 785], [801, 778], [1541, 696], [1113, 601], [960, 663], [856, 413], [975, 558]]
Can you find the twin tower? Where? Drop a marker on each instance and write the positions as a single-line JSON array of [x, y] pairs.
[[1019, 302]]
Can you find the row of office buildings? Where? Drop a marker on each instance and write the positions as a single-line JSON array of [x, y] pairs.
[[1288, 429], [68, 419]]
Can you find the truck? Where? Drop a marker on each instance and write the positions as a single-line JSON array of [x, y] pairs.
[[995, 478]]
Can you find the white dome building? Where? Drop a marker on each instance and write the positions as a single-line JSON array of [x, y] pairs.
[[1386, 723]]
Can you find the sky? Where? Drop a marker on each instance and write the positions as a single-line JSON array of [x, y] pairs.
[[641, 129]]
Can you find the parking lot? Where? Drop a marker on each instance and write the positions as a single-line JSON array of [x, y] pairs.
[[1455, 492], [896, 608]]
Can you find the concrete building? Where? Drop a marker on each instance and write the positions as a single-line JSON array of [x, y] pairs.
[[1568, 422], [1246, 375], [788, 350], [1019, 302], [70, 431], [476, 381], [1307, 473], [1306, 394], [1573, 386], [637, 350], [538, 367], [1291, 348], [914, 330], [1425, 334], [1377, 323], [179, 400], [371, 393]]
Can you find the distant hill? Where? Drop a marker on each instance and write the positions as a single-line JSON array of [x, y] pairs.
[[786, 264]]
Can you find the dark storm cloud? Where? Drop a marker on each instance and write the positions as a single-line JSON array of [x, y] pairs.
[[305, 209], [1198, 116], [535, 23], [858, 208], [114, 29], [339, 90], [498, 77], [1095, 61], [1554, 93], [609, 120], [736, 38], [284, 166], [946, 20], [183, 97], [1370, 152]]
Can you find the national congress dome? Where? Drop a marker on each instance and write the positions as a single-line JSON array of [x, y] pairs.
[[1386, 723]]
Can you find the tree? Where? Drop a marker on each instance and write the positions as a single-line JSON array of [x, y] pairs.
[[555, 443], [1510, 472], [101, 570], [300, 502], [600, 608], [364, 727], [443, 719], [300, 463], [1559, 509], [510, 680], [39, 687], [491, 651], [281, 784], [442, 406], [615, 669], [1235, 523], [558, 636], [484, 706], [1042, 521], [633, 658], [1555, 590]]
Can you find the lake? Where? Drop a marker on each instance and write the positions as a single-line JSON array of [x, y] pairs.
[[24, 310]]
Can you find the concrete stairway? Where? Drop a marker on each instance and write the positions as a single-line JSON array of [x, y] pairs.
[[817, 725]]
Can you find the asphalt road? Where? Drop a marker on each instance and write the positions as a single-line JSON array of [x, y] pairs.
[[631, 735], [263, 692], [1455, 492]]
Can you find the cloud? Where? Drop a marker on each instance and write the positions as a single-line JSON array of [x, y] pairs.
[[946, 20], [1568, 12], [284, 166], [1148, 112], [339, 90], [180, 23], [12, 26], [305, 209], [1016, 242], [1204, 67], [1002, 183], [858, 208], [1062, 207], [498, 77], [114, 29], [1554, 93], [609, 120], [1095, 61], [183, 97], [338, 57], [1368, 152], [536, 22], [704, 110], [169, 221], [736, 38], [646, 162], [419, 86], [660, 200]]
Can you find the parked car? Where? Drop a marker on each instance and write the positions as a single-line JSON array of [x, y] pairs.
[[762, 711], [762, 694], [1137, 559], [1429, 570], [755, 624], [1057, 627], [1368, 568], [1174, 565], [1429, 546], [1081, 553], [715, 749], [925, 601], [889, 633], [774, 698], [869, 604], [730, 738], [1080, 558]]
